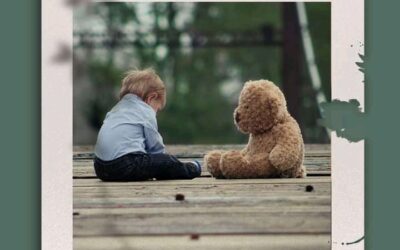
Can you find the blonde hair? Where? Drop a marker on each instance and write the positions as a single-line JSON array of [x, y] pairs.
[[142, 83]]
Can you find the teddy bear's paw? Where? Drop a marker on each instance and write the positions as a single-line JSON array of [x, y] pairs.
[[211, 162], [301, 173]]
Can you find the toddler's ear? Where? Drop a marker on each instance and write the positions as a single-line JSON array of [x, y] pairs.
[[152, 97]]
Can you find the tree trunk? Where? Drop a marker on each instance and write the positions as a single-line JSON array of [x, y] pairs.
[[291, 59]]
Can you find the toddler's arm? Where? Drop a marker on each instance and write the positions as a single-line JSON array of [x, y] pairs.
[[153, 141]]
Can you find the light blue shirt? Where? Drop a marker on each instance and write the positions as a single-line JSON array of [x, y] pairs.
[[130, 126]]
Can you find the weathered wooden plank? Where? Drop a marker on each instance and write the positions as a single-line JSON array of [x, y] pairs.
[[202, 181], [90, 155], [199, 150], [279, 210], [201, 242], [245, 190], [194, 199], [200, 190], [185, 151], [267, 201], [188, 209], [178, 148], [307, 161], [211, 187], [83, 168], [170, 194], [88, 172], [203, 223], [162, 205]]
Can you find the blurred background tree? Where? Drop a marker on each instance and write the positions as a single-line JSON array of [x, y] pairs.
[[204, 52]]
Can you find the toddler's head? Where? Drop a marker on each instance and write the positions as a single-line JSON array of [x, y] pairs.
[[147, 85]]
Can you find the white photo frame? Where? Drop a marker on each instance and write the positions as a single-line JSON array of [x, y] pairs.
[[347, 157]]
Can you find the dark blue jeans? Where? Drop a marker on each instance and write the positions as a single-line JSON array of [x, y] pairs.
[[138, 166]]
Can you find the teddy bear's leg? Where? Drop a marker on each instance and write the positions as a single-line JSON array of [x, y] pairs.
[[232, 164], [235, 165], [212, 163]]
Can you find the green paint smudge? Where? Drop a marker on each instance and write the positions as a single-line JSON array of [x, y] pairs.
[[344, 118]]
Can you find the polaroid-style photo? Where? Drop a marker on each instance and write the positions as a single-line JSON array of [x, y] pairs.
[[201, 125]]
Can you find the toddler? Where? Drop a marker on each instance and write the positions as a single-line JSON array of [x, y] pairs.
[[129, 147]]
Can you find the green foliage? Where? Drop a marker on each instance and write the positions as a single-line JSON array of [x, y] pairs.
[[104, 73], [235, 17], [200, 102], [197, 112], [105, 77], [116, 14], [319, 20]]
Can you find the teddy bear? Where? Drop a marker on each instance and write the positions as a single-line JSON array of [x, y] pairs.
[[275, 148]]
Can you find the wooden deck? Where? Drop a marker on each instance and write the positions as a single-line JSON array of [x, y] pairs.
[[214, 214]]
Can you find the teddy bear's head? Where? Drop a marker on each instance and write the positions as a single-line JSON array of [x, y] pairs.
[[261, 106]]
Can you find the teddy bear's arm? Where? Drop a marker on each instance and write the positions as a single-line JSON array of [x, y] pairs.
[[234, 165], [288, 151]]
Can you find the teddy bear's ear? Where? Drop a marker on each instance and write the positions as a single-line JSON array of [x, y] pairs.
[[261, 81]]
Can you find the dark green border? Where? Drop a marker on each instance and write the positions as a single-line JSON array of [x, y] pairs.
[[20, 124], [382, 147]]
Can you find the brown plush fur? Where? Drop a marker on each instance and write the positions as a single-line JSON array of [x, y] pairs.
[[275, 148]]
